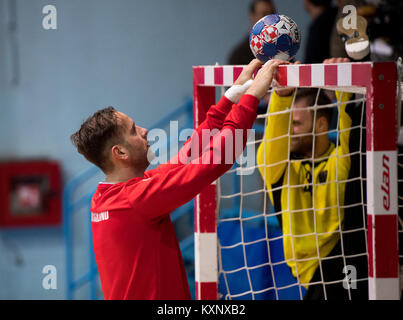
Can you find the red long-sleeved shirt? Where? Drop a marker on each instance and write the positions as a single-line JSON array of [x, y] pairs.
[[135, 244]]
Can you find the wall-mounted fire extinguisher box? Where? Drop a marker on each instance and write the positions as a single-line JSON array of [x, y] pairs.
[[30, 193]]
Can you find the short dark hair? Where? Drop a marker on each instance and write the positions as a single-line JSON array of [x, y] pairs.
[[96, 134], [252, 6], [310, 94]]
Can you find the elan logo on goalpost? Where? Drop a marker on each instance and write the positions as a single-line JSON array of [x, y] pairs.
[[385, 186], [382, 170]]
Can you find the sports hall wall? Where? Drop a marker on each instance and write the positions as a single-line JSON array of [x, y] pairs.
[[134, 55]]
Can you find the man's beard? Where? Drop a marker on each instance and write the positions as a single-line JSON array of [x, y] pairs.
[[302, 147], [141, 160]]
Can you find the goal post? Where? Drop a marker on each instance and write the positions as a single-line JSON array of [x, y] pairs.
[[377, 81]]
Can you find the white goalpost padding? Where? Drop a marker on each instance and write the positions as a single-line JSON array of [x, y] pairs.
[[223, 253]]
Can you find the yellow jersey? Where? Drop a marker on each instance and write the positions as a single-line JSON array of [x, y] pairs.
[[309, 194]]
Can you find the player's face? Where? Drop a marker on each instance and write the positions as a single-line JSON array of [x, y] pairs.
[[136, 142], [302, 126]]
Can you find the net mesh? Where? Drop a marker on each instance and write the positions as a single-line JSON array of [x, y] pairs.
[[302, 233]]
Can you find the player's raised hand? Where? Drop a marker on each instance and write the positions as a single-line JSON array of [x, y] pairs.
[[248, 71], [264, 77], [243, 82]]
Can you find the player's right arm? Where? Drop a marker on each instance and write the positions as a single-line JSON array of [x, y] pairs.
[[161, 193], [273, 151]]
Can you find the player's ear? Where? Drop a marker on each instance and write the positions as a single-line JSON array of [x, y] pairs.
[[119, 152], [321, 125]]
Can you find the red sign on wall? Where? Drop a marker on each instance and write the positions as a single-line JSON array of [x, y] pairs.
[[30, 193]]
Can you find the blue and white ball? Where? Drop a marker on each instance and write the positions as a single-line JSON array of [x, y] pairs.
[[275, 36]]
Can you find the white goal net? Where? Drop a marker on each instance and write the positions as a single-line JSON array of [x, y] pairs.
[[292, 210], [298, 215]]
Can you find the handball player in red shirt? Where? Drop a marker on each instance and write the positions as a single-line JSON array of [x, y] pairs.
[[135, 244]]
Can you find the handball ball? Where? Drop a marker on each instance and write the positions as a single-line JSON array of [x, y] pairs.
[[275, 37]]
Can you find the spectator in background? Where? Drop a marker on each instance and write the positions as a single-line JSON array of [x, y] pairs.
[[242, 53], [323, 16]]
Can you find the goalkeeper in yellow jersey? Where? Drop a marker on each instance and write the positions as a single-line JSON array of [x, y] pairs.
[[306, 175]]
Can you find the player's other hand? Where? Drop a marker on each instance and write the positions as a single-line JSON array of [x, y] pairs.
[[248, 71], [264, 77], [336, 60]]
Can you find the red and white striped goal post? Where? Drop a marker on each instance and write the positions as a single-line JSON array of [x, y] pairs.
[[378, 81]]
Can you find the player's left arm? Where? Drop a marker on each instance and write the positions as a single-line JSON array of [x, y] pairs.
[[345, 120]]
